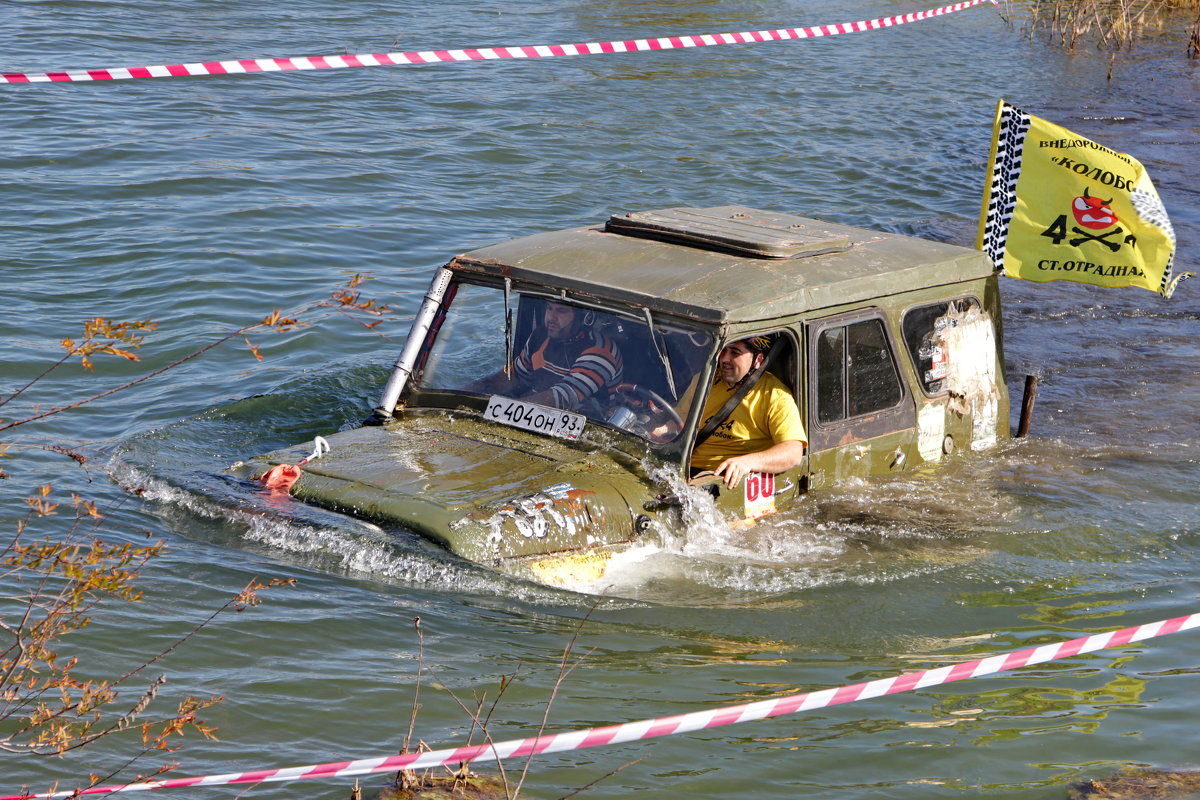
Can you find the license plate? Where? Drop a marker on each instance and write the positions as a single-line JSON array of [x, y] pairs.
[[534, 417]]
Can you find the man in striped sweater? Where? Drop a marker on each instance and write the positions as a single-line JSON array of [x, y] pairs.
[[566, 363]]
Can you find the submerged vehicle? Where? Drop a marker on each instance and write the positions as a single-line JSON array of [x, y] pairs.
[[891, 346]]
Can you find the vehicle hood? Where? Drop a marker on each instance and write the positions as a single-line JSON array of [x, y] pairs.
[[484, 491]]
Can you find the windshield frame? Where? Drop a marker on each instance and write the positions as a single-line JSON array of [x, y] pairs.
[[689, 375]]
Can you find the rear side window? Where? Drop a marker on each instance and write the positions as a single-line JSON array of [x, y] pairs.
[[856, 371], [921, 328]]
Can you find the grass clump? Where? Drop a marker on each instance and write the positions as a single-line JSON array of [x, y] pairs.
[[1110, 25]]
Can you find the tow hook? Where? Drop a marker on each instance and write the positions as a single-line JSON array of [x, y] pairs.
[[661, 502]]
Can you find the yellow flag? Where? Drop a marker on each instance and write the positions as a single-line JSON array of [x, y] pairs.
[[1061, 207]]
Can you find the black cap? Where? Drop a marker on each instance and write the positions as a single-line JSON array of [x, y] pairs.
[[761, 344]]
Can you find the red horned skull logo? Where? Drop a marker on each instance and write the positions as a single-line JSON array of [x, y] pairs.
[[1092, 212]]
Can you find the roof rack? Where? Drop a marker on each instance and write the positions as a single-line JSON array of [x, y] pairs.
[[733, 229]]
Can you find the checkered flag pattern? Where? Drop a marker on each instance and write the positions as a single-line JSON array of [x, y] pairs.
[[1002, 196]]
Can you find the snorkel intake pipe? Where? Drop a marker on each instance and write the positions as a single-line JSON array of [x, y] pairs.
[[408, 356]]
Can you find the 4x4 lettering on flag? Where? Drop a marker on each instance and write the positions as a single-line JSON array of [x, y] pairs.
[[1062, 207]]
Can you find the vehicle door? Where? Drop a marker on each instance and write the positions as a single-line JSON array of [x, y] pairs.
[[761, 494], [861, 412]]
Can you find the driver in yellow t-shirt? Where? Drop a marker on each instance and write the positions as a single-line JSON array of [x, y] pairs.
[[763, 433]]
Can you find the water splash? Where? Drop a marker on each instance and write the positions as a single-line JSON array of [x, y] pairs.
[[855, 533], [859, 532], [227, 512]]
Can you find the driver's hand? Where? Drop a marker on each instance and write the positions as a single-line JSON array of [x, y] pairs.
[[665, 432]]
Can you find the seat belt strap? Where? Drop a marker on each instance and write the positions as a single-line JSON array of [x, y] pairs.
[[739, 392]]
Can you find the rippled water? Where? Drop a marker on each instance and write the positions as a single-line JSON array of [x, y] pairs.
[[205, 202]]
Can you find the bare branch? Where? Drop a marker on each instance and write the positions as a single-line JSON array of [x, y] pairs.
[[604, 777], [564, 669]]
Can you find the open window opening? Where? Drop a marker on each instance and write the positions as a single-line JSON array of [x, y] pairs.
[[922, 327]]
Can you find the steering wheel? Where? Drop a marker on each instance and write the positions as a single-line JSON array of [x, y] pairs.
[[657, 405]]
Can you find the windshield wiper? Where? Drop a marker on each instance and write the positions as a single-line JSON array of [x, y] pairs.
[[663, 356]]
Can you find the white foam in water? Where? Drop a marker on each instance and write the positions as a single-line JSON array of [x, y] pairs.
[[346, 544], [704, 552], [863, 532], [695, 558]]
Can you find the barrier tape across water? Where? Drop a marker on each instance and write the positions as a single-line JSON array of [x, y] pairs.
[[666, 726], [259, 65]]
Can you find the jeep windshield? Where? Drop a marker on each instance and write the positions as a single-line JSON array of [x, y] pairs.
[[622, 369]]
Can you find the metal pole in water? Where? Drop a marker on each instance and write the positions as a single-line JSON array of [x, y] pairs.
[[1027, 401]]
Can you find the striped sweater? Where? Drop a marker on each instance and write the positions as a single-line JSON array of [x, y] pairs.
[[586, 365]]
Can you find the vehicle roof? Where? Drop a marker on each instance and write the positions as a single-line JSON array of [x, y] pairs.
[[709, 264]]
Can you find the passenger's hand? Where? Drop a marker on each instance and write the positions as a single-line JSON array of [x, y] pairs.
[[774, 459], [737, 467]]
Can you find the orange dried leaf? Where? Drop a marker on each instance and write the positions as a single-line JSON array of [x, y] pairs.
[[116, 351]]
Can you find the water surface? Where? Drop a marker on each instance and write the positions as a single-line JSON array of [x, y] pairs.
[[204, 203]]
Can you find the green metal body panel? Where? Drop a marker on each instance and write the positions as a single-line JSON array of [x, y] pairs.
[[519, 500]]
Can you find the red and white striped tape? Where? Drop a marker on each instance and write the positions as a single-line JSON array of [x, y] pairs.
[[666, 726], [246, 65]]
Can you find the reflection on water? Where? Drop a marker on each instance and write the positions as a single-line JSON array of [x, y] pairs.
[[1030, 710]]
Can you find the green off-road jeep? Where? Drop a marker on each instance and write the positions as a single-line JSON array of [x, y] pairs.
[[890, 344]]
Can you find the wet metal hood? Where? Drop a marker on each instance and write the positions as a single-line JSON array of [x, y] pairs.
[[485, 492]]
